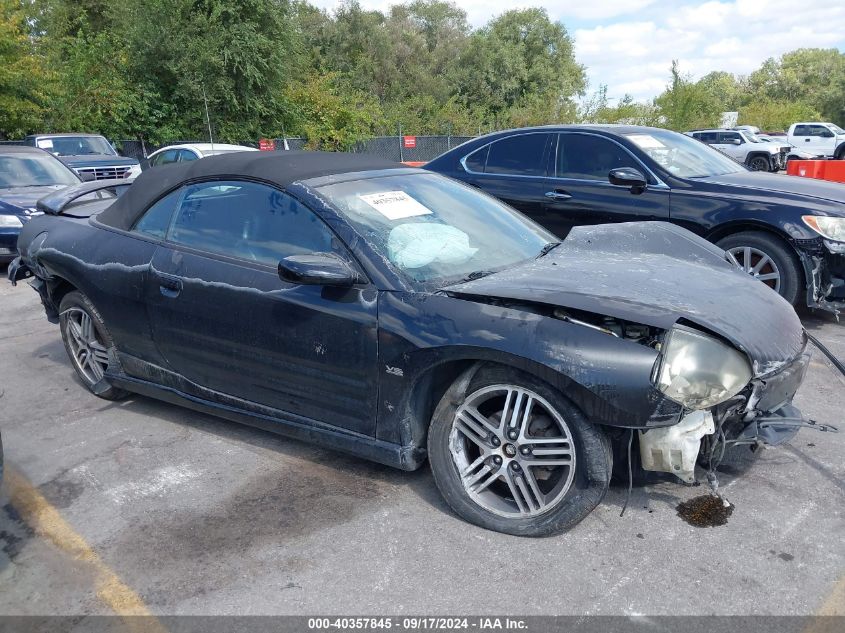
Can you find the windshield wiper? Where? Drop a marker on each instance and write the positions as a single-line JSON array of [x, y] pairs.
[[475, 274], [548, 247]]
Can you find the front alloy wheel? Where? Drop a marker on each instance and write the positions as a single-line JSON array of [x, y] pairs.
[[759, 163], [513, 451], [757, 264], [512, 454], [767, 258]]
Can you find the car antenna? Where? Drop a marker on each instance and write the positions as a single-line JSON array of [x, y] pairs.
[[207, 118]]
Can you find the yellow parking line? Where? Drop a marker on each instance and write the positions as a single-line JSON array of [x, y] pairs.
[[46, 521], [834, 604]]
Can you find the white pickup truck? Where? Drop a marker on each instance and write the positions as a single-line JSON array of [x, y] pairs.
[[820, 139]]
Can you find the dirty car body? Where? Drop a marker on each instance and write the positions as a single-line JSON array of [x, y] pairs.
[[400, 315]]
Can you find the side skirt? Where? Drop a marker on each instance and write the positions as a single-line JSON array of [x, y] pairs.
[[387, 453]]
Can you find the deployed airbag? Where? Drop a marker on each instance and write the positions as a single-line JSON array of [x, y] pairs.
[[419, 244]]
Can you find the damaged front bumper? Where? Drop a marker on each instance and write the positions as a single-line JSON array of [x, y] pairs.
[[762, 415], [824, 269]]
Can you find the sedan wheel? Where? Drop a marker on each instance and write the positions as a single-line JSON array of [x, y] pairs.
[[514, 451], [757, 264], [512, 454], [769, 259]]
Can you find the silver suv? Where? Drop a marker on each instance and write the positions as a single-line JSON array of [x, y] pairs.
[[744, 147]]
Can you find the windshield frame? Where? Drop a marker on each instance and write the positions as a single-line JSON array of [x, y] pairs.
[[730, 165], [375, 255]]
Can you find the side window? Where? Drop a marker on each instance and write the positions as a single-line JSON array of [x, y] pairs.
[[186, 155], [521, 155], [729, 137], [168, 157], [477, 160], [587, 157], [820, 131], [707, 137], [156, 219], [248, 221], [801, 130]]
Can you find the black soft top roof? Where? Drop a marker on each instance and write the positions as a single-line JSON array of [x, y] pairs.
[[277, 168]]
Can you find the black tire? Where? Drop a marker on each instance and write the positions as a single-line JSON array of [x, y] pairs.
[[591, 447], [840, 153], [786, 260], [759, 163], [72, 302]]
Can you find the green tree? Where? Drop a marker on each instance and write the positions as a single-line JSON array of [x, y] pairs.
[[686, 104], [329, 113], [23, 75], [776, 115], [517, 60]]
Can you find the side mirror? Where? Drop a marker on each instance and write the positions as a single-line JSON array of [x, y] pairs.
[[318, 269], [735, 141], [628, 177], [828, 134], [86, 176]]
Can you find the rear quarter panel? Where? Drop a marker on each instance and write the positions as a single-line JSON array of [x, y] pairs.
[[110, 267]]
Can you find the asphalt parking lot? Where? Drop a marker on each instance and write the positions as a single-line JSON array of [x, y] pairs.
[[188, 514]]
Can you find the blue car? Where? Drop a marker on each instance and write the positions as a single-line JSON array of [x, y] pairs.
[[26, 174]]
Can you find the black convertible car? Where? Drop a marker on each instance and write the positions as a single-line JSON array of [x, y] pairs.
[[399, 315], [787, 232]]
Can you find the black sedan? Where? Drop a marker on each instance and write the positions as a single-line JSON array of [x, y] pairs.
[[26, 174], [787, 232], [402, 316]]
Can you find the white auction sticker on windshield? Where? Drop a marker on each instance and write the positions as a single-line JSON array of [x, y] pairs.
[[646, 141], [395, 205], [45, 143]]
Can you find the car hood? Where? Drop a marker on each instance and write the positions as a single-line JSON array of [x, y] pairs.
[[654, 273], [779, 183], [96, 160], [18, 199]]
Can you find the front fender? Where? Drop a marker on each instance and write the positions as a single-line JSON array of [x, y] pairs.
[[608, 378]]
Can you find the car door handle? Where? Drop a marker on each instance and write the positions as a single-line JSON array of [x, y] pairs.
[[558, 194], [169, 286]]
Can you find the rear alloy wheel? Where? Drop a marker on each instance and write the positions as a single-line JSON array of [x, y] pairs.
[[767, 259], [515, 456], [760, 163], [87, 343]]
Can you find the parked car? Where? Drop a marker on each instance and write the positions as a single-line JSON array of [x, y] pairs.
[[90, 155], [188, 152], [787, 232], [399, 315], [746, 148], [793, 153], [822, 139], [26, 174]]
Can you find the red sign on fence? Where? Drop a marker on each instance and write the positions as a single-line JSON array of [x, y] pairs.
[[409, 142], [266, 145]]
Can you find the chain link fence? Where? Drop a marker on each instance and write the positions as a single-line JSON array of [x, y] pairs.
[[396, 148], [393, 148]]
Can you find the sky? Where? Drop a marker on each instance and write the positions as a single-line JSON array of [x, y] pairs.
[[629, 45]]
